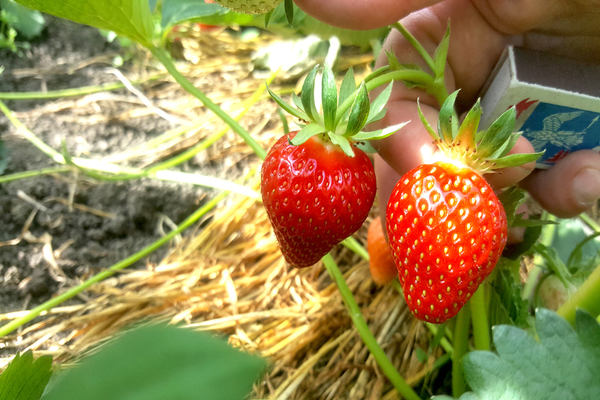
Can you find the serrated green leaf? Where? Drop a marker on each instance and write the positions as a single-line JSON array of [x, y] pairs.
[[24, 378], [447, 119], [343, 142], [434, 136], [129, 18], [469, 126], [378, 105], [288, 108], [514, 160], [359, 112], [308, 95], [506, 305], [329, 99], [511, 199], [161, 363], [497, 134], [307, 132], [440, 55], [348, 86], [564, 364], [380, 133]]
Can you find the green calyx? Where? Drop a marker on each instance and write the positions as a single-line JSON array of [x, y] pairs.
[[483, 151], [331, 119]]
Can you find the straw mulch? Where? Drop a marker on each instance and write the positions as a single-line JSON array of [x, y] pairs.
[[229, 277]]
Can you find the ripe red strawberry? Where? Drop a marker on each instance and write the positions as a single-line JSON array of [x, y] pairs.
[[445, 225], [381, 262], [315, 196]]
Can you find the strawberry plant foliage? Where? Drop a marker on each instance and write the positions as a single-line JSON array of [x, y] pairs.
[[25, 378]]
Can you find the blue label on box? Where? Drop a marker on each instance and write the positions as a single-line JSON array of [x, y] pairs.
[[561, 130]]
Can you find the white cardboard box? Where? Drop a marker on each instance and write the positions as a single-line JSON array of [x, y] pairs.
[[557, 101]]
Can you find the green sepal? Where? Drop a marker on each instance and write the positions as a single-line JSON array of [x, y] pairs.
[[268, 17], [395, 65], [378, 106], [434, 136], [298, 102], [284, 122], [343, 142], [308, 94], [507, 146], [497, 134], [379, 134], [359, 112], [329, 99], [306, 133], [447, 119], [440, 55], [289, 11], [365, 146], [348, 87], [289, 109], [469, 125], [514, 160]]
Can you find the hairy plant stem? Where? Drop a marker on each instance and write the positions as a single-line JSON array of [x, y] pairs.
[[587, 297], [461, 347], [164, 58], [69, 294], [415, 44], [365, 333], [481, 328]]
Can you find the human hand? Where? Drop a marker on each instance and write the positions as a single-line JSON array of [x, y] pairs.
[[481, 29]]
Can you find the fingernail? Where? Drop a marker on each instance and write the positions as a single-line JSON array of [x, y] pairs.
[[586, 186]]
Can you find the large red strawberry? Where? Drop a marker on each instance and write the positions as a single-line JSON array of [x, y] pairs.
[[317, 183], [446, 227], [315, 196]]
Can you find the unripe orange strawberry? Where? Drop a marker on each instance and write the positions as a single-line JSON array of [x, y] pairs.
[[381, 262]]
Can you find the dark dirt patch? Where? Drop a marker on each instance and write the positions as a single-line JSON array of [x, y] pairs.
[[120, 219]]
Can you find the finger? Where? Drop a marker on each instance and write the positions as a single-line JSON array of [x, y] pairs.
[[361, 14], [570, 187]]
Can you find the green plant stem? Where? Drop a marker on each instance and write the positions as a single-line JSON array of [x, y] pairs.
[[356, 247], [33, 173], [164, 58], [481, 329], [587, 297], [415, 43], [461, 347], [69, 294], [365, 333], [589, 221], [81, 91], [546, 238]]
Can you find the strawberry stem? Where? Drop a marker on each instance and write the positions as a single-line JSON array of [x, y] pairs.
[[461, 346], [481, 329], [587, 297], [365, 333]]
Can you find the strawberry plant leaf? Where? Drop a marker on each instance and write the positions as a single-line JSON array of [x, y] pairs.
[[308, 95], [440, 55], [175, 12], [289, 109], [447, 118], [129, 18], [506, 304], [306, 133], [564, 364], [27, 22], [378, 105], [24, 378], [511, 199], [329, 99], [348, 87], [359, 112], [161, 363]]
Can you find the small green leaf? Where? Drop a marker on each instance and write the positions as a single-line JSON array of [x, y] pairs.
[[359, 112], [289, 11], [514, 160], [564, 364], [289, 109], [307, 132], [24, 378], [378, 105], [434, 136], [497, 134], [365, 146], [298, 102], [440, 55], [268, 16], [447, 119], [465, 135], [161, 363], [343, 142], [308, 95], [129, 18], [348, 86], [379, 134], [329, 99]]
